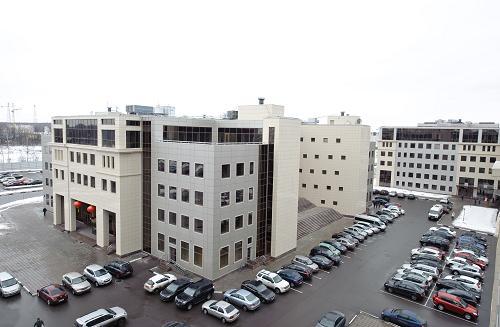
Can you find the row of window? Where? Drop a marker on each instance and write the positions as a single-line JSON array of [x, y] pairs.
[[185, 220], [47, 165], [426, 166], [185, 167], [386, 144], [225, 197], [427, 156], [426, 186], [185, 251], [389, 153], [185, 194], [240, 169], [87, 180], [323, 171], [225, 225], [485, 148], [82, 157], [325, 140], [474, 159], [58, 154], [426, 176], [437, 146], [330, 156], [328, 187], [480, 170]]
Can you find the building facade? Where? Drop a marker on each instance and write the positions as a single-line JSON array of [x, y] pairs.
[[48, 198], [446, 157], [337, 164]]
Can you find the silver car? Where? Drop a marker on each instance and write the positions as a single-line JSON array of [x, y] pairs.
[[222, 310], [330, 247], [374, 228], [9, 286], [357, 230], [97, 275], [103, 317], [242, 298], [305, 261], [76, 283], [467, 270], [364, 228]]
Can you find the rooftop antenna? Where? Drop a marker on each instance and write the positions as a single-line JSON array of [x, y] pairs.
[[34, 114], [13, 110]]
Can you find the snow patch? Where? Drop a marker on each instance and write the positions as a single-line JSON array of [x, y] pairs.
[[20, 154], [476, 218], [35, 199], [416, 193]]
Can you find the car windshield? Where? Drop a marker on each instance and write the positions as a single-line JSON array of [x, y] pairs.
[[111, 311], [56, 291], [462, 303], [78, 280], [326, 322], [230, 308], [101, 272], [251, 297], [190, 291], [172, 287], [434, 211], [149, 282], [261, 288], [9, 282], [277, 279]]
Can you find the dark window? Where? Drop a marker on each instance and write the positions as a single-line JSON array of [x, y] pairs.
[[58, 135], [387, 133], [470, 135], [92, 159], [198, 198], [489, 136], [161, 242], [187, 134], [239, 196], [133, 123], [238, 222], [250, 193], [472, 158], [323, 172], [71, 157], [161, 215], [113, 186], [482, 159], [184, 251], [78, 157], [428, 134], [107, 121], [304, 155], [225, 199], [224, 257], [185, 221], [104, 184], [161, 165], [81, 131], [172, 166], [313, 139], [172, 218], [198, 225], [250, 219], [311, 171], [161, 190], [251, 168], [242, 135], [325, 139], [184, 195], [330, 156], [185, 168], [133, 139], [240, 169], [337, 140], [342, 157], [108, 138], [224, 226], [198, 170], [92, 181], [316, 156], [226, 171], [172, 192]]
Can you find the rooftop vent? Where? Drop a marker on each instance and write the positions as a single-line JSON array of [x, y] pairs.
[[261, 100]]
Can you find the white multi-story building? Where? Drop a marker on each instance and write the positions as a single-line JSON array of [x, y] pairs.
[[447, 157]]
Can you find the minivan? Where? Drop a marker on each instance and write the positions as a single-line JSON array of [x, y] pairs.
[[435, 212], [199, 291], [371, 220]]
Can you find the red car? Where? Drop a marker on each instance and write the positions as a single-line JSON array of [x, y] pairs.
[[53, 294], [452, 303], [471, 258]]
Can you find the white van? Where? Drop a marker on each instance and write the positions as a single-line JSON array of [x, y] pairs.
[[371, 220], [435, 212]]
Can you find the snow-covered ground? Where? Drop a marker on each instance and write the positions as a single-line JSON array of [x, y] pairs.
[[35, 199], [20, 154], [416, 193], [476, 218]]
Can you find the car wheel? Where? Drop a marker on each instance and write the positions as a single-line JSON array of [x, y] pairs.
[[454, 272], [414, 297], [190, 306], [73, 292], [223, 320], [467, 316], [245, 308], [121, 322], [292, 284], [209, 296], [277, 290], [440, 307], [96, 284], [385, 318], [390, 290], [205, 311]]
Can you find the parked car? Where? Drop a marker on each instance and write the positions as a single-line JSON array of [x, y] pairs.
[[460, 261], [365, 229], [393, 193], [222, 310], [471, 254], [467, 281], [175, 324], [414, 271], [97, 275], [273, 281], [361, 231], [466, 238], [355, 234], [431, 271], [260, 290], [346, 236], [375, 191], [425, 256], [305, 261], [330, 247], [199, 291], [52, 294], [403, 317], [440, 233], [429, 250], [475, 235], [174, 288], [319, 250], [411, 196], [444, 301], [103, 317], [374, 228], [475, 248], [76, 283], [242, 298], [405, 288], [384, 217], [468, 297], [341, 248], [9, 286], [119, 269], [384, 193], [435, 264], [453, 284], [322, 262], [332, 319], [291, 276], [158, 282], [436, 241], [472, 259], [350, 245], [468, 270], [304, 271], [443, 228], [416, 279]]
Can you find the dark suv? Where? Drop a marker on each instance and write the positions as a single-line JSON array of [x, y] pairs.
[[119, 269], [173, 289], [199, 291]]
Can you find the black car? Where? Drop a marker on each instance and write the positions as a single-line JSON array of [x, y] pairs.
[[304, 271], [379, 202], [441, 234], [411, 196], [425, 256], [332, 319], [436, 241], [319, 250], [478, 237], [384, 219], [119, 269], [446, 284], [407, 289], [375, 191], [291, 276], [356, 235], [336, 244], [429, 263], [322, 262], [348, 236], [199, 291], [385, 193], [260, 290], [174, 288], [468, 297]]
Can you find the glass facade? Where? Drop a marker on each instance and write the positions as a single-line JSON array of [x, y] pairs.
[[265, 199], [470, 135], [489, 136], [81, 131], [146, 186], [387, 133], [108, 138], [239, 135], [187, 134], [133, 139], [58, 135], [427, 134]]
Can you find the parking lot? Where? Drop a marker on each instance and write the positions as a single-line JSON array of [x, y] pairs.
[[357, 284]]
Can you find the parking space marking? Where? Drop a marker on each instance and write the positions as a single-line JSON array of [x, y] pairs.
[[430, 294], [136, 259], [456, 317], [307, 284], [325, 271], [364, 245], [293, 289], [347, 256], [317, 277], [218, 292]]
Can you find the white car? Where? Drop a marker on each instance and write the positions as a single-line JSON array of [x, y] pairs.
[[414, 271], [75, 282], [273, 281], [431, 271], [9, 286], [467, 270], [374, 228], [7, 178], [427, 250], [365, 229], [467, 281], [158, 282], [397, 209], [479, 257], [97, 275], [444, 228], [459, 261], [103, 317], [222, 310], [305, 261], [392, 193]]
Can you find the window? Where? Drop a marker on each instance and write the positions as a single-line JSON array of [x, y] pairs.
[[198, 225], [133, 139], [57, 173], [481, 170], [334, 203], [313, 139], [444, 167], [86, 182], [482, 159], [304, 186], [161, 164], [161, 242], [172, 218], [172, 166], [172, 192], [184, 251], [301, 139], [108, 138], [330, 156], [316, 156], [250, 218], [225, 199], [322, 201], [311, 171], [238, 222], [58, 135], [337, 140], [315, 185], [325, 139], [185, 221], [224, 226], [492, 159], [78, 157], [62, 174], [79, 178], [436, 157], [240, 169], [239, 196], [323, 172], [341, 188], [226, 171], [198, 198], [249, 240], [185, 168], [250, 193], [238, 251], [342, 157], [113, 186], [304, 155], [198, 256], [463, 158], [184, 195], [198, 170], [224, 257], [473, 158], [92, 159], [133, 122], [161, 190], [251, 167], [445, 157], [92, 181], [328, 187], [107, 121], [161, 215], [104, 184], [472, 169], [172, 240]]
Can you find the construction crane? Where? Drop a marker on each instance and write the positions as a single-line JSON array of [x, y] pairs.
[[13, 111], [11, 108]]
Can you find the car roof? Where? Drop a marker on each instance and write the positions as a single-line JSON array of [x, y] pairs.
[[303, 257], [91, 315], [51, 287], [201, 282], [223, 304], [157, 277], [5, 275], [243, 292], [94, 267], [73, 275]]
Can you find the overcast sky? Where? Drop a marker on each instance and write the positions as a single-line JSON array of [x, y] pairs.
[[391, 62]]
